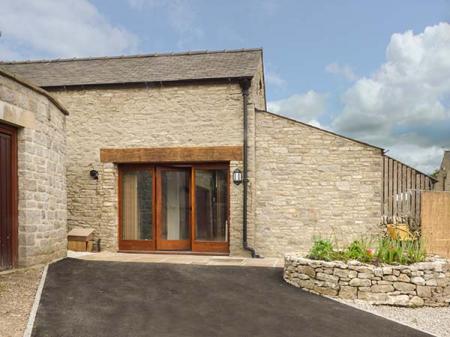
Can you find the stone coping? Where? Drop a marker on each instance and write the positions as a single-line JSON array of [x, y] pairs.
[[416, 285]]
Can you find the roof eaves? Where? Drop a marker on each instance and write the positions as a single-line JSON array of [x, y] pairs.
[[188, 53], [36, 89], [152, 82]]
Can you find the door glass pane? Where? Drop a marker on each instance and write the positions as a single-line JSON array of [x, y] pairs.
[[175, 204], [137, 208], [211, 200]]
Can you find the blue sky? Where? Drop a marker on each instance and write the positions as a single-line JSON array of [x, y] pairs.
[[348, 66]]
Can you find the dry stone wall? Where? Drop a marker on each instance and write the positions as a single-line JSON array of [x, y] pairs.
[[416, 285]]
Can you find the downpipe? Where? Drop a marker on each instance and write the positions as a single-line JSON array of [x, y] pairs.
[[245, 86]]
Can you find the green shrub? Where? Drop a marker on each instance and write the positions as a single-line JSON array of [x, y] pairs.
[[388, 251], [415, 251], [322, 250], [359, 250], [339, 255], [392, 251]]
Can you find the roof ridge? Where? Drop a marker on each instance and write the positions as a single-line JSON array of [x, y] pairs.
[[185, 53]]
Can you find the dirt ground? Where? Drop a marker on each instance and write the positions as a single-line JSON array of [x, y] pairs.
[[17, 291]]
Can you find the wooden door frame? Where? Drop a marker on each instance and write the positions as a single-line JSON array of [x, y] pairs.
[[164, 244], [136, 245], [210, 246], [12, 132], [154, 245]]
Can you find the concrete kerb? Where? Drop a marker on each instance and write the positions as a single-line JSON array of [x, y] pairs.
[[37, 299], [35, 307]]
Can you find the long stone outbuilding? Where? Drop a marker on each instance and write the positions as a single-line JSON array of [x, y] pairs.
[[178, 152]]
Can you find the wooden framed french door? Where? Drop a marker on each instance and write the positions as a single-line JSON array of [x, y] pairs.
[[137, 200], [173, 208], [210, 216], [8, 197], [177, 207]]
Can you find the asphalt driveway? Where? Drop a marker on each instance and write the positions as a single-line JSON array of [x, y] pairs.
[[116, 299]]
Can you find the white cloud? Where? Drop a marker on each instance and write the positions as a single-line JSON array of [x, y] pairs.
[[405, 103], [306, 107], [425, 159], [316, 123], [180, 15], [342, 70], [60, 29], [409, 89], [273, 78]]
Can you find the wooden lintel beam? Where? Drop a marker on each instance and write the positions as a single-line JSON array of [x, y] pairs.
[[171, 154]]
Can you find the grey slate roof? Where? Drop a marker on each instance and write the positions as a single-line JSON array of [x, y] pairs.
[[139, 68]]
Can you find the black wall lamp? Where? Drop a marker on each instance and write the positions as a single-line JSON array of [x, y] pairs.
[[237, 176], [93, 174]]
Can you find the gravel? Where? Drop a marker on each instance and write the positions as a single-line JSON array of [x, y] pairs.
[[17, 292], [435, 321]]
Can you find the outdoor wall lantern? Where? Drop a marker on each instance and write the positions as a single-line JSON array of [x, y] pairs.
[[237, 176], [93, 174]]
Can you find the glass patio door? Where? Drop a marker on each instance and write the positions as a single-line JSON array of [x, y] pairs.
[[174, 208], [211, 208], [136, 225]]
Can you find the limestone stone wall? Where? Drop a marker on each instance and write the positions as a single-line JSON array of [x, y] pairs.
[[312, 183], [155, 116], [257, 100], [416, 285], [41, 171]]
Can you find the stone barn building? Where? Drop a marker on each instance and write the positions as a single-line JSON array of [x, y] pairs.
[[177, 152]]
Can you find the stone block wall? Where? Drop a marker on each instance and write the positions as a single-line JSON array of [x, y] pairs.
[[41, 171], [310, 182], [416, 285], [157, 116]]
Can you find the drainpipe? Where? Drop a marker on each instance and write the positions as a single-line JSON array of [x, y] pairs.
[[245, 85]]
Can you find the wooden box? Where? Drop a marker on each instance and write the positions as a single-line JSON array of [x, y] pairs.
[[80, 239]]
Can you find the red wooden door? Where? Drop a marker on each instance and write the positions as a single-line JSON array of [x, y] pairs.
[[8, 200]]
